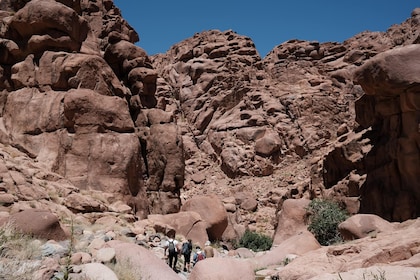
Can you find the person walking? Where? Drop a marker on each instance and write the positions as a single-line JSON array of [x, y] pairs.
[[171, 245], [186, 252], [198, 256]]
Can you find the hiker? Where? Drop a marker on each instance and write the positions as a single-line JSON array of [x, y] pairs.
[[186, 250], [208, 250], [198, 256], [172, 246]]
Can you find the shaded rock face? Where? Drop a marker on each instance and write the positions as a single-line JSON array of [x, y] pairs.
[[73, 87], [391, 107]]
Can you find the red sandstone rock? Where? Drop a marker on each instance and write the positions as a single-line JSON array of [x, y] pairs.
[[39, 223], [212, 212], [362, 225], [221, 268], [291, 219]]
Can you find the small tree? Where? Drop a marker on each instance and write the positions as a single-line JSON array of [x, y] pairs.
[[255, 241], [324, 218]]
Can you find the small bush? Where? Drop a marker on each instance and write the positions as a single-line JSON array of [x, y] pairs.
[[255, 241], [324, 218]]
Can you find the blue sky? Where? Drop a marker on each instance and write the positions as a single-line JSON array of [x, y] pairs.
[[268, 23]]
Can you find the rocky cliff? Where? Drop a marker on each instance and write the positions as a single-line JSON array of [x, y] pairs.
[[296, 117], [78, 98], [83, 101], [209, 138]]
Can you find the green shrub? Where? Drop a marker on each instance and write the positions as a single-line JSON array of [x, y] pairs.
[[255, 241], [324, 218]]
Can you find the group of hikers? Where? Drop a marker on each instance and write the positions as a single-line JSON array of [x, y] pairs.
[[173, 249]]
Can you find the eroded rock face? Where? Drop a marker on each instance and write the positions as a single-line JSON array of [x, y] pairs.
[[73, 87], [391, 107], [290, 116]]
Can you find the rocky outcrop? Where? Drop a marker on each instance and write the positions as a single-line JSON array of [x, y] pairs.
[[384, 248], [94, 129], [391, 108], [75, 90]]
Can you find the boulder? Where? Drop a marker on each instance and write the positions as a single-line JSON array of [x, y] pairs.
[[124, 56], [97, 271], [137, 260], [105, 255], [47, 270], [187, 223], [222, 268], [212, 211], [249, 204], [39, 223], [362, 225], [244, 253], [298, 244], [80, 258], [80, 203], [291, 219], [268, 144]]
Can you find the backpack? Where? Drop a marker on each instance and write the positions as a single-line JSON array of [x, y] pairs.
[[200, 256], [185, 248], [171, 248]]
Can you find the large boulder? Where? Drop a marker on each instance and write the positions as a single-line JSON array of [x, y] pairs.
[[97, 271], [38, 223], [185, 223], [212, 211], [222, 268], [88, 109], [298, 244], [140, 261], [362, 225], [291, 219]]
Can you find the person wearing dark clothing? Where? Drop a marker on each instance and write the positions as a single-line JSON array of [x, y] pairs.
[[186, 252], [172, 247]]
